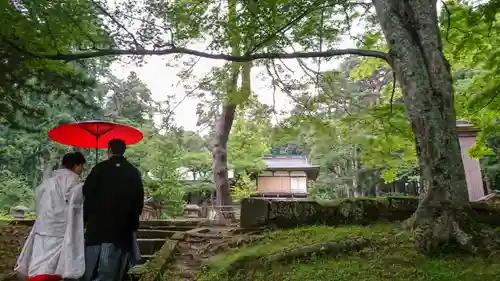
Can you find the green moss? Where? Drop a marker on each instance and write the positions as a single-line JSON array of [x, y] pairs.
[[138, 270], [383, 266], [391, 257], [286, 239], [156, 266], [329, 203], [402, 197], [362, 199], [178, 235], [335, 203]]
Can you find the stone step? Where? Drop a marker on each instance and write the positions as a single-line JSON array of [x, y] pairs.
[[174, 222], [149, 246], [168, 227], [191, 222], [154, 234]]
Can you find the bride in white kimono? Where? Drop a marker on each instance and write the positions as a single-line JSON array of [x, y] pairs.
[[54, 249]]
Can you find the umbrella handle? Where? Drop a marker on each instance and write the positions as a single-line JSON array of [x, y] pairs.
[[97, 146], [96, 150]]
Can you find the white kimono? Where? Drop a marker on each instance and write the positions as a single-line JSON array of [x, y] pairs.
[[55, 245]]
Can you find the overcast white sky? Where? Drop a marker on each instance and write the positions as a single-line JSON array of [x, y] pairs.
[[162, 80]]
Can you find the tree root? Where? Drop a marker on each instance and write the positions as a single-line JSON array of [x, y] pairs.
[[244, 240], [323, 248], [436, 228], [430, 236], [224, 245], [297, 254]]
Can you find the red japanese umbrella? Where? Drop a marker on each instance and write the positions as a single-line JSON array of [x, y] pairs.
[[94, 134]]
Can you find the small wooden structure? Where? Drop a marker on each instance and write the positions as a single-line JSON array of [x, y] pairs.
[[151, 210], [285, 176]]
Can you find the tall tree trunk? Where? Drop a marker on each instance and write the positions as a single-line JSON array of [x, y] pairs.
[[413, 188], [412, 33], [357, 186], [225, 120], [46, 168], [47, 163], [400, 186], [486, 182], [219, 165]]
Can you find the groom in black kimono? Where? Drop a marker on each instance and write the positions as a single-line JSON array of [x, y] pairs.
[[114, 198]]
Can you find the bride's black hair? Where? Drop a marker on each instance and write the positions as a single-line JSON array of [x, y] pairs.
[[73, 159]]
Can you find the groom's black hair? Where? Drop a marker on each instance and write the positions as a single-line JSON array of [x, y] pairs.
[[70, 160], [117, 147]]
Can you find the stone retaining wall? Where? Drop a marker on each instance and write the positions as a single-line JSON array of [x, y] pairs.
[[276, 213]]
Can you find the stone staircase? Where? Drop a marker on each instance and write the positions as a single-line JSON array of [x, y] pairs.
[[152, 235], [176, 249]]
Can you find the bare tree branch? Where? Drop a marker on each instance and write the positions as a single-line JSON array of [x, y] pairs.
[[83, 32], [117, 22], [179, 50], [166, 29], [304, 65], [276, 80], [312, 7]]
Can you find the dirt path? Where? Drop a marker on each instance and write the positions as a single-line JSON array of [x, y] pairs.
[[12, 239]]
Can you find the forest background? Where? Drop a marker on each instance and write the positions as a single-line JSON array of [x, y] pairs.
[[348, 119]]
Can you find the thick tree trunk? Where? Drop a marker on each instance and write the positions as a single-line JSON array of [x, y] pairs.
[[412, 33]]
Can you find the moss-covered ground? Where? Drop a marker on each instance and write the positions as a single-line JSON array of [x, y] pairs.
[[391, 256]]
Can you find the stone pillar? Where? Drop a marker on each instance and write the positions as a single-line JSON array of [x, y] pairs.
[[466, 134]]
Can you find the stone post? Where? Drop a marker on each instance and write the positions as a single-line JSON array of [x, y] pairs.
[[19, 212], [466, 134]]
